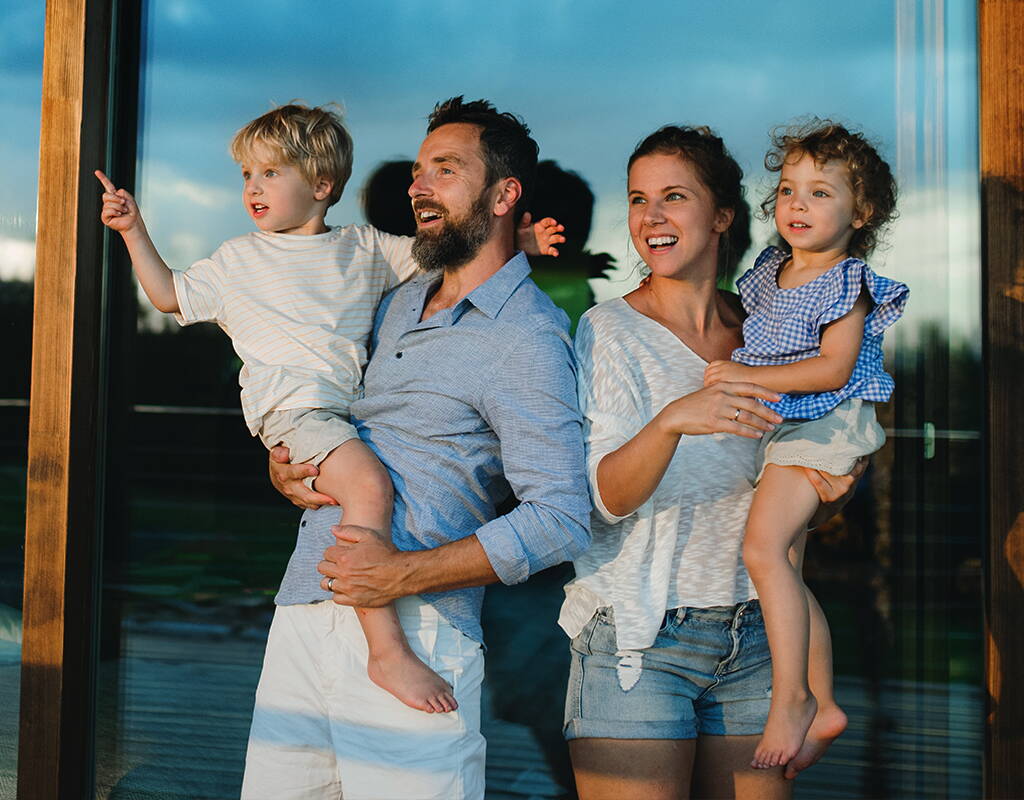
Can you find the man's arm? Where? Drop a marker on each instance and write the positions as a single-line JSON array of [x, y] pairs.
[[531, 405], [120, 213]]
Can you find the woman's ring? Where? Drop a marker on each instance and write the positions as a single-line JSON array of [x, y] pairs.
[[736, 416], [330, 584]]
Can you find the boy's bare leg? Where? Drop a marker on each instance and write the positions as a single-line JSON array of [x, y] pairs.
[[783, 503], [354, 477]]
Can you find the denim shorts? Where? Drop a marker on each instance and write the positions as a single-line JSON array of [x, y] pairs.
[[708, 672]]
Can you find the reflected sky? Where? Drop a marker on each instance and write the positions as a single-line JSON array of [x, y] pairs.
[[591, 79]]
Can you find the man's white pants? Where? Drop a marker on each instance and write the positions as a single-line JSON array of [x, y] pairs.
[[322, 729]]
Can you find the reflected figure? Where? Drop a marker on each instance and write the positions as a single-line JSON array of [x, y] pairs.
[[567, 197], [385, 198]]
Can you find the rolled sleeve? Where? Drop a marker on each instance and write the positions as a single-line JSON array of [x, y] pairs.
[[532, 406]]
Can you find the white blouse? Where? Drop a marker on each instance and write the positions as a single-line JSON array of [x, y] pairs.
[[683, 546]]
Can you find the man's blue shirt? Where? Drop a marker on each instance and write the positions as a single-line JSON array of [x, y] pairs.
[[465, 408]]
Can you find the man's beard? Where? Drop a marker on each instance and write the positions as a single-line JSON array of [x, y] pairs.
[[458, 241]]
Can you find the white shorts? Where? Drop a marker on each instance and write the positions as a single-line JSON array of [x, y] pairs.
[[309, 433], [322, 729], [831, 443]]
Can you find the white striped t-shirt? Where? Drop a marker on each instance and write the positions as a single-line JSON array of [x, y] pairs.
[[299, 310]]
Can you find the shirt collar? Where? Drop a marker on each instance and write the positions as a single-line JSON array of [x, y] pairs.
[[491, 295]]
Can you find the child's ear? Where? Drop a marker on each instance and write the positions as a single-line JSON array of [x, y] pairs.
[[863, 216], [322, 188]]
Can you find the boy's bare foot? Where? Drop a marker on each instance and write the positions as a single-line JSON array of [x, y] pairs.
[[784, 732], [829, 722], [400, 672]]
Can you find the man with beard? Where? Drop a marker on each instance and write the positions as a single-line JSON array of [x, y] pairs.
[[470, 397]]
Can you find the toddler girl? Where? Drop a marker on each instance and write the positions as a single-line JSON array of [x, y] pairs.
[[814, 333]]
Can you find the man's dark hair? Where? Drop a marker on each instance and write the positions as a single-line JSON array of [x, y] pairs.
[[505, 143]]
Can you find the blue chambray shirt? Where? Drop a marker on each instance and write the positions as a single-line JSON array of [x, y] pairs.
[[464, 408]]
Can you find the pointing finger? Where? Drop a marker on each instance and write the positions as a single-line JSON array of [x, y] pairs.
[[105, 181]]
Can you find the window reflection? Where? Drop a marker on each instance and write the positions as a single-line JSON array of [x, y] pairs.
[[191, 570], [21, 64]]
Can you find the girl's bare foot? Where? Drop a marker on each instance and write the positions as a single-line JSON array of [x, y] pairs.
[[829, 722], [400, 672], [784, 732]]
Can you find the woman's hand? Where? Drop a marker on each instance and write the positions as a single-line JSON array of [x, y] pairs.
[[287, 479], [834, 491], [723, 407]]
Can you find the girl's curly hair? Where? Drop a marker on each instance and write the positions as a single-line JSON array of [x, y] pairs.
[[872, 182]]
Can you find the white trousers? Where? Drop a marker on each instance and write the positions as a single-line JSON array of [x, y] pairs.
[[322, 729]]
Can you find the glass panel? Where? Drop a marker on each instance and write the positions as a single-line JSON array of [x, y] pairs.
[[195, 556], [21, 70]]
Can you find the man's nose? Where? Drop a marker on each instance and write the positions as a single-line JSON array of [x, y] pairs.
[[419, 187]]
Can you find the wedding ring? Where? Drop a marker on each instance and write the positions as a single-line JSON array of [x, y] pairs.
[[736, 416], [330, 584]]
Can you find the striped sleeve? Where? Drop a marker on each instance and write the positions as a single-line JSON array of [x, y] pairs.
[[199, 290]]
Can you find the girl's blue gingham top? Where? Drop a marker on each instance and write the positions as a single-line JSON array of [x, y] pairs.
[[784, 325]]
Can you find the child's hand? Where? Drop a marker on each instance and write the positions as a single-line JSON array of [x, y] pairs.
[[119, 210], [718, 371], [539, 238]]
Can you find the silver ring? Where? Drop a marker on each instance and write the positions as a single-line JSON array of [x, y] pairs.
[[736, 416], [330, 584]]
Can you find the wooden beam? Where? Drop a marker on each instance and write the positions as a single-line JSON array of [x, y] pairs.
[[62, 516], [1001, 42]]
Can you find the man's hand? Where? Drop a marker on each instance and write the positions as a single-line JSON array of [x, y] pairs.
[[834, 491], [539, 238], [287, 479], [365, 567], [718, 371]]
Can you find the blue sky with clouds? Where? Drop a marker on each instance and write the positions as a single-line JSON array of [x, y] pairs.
[[591, 78]]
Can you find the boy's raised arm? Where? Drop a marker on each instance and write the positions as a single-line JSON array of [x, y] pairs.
[[121, 214], [539, 238]]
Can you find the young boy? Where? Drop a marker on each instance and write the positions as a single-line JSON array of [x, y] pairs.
[[297, 299]]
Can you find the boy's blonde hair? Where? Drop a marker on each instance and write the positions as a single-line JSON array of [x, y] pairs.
[[312, 139]]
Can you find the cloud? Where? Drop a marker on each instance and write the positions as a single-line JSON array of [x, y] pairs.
[[17, 259]]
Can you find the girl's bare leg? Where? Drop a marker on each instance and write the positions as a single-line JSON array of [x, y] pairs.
[[783, 503], [613, 769], [830, 720], [354, 477]]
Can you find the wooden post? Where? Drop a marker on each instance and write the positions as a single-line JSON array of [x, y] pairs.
[[65, 467], [1001, 42]]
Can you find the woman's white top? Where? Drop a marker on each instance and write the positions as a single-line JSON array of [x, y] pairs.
[[683, 546]]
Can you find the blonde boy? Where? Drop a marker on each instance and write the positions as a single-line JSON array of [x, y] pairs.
[[297, 299]]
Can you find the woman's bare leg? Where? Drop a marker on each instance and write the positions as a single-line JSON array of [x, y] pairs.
[[616, 769], [722, 771], [354, 477], [783, 503]]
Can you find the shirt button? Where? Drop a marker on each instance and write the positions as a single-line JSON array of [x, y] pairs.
[[398, 354], [303, 524]]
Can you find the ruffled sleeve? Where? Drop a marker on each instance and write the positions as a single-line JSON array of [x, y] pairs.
[[751, 285], [843, 287]]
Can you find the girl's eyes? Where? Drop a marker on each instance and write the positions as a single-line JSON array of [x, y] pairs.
[[270, 173], [785, 190], [637, 200], [675, 196], [821, 193]]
